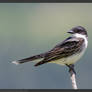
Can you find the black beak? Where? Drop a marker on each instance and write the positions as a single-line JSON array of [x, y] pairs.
[[70, 31]]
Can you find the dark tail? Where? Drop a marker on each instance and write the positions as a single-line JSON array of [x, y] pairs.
[[29, 59], [41, 62]]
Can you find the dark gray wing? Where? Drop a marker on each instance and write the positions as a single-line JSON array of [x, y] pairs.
[[67, 48]]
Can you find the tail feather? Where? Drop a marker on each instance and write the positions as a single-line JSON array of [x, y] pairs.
[[28, 59], [40, 63]]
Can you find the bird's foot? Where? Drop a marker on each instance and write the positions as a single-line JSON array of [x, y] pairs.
[[71, 68]]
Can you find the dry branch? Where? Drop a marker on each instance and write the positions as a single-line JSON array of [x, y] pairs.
[[73, 79]]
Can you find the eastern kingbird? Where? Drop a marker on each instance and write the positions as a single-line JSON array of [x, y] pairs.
[[65, 53]]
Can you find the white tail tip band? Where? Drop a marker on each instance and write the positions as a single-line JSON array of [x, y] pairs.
[[15, 62]]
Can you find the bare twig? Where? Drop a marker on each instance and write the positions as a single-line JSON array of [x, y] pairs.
[[73, 79], [72, 74]]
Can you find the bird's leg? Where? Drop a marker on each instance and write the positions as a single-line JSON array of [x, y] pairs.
[[71, 68]]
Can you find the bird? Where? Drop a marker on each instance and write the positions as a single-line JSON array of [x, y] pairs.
[[67, 52]]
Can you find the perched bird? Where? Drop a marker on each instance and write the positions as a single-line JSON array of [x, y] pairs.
[[65, 53]]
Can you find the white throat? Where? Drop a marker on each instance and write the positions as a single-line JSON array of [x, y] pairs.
[[82, 36]]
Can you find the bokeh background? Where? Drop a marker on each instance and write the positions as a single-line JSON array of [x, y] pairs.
[[31, 28]]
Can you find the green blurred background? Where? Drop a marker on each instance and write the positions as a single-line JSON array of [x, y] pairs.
[[31, 28]]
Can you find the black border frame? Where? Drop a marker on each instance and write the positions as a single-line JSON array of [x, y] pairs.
[[44, 1]]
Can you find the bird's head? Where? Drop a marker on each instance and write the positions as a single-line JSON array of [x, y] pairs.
[[78, 30]]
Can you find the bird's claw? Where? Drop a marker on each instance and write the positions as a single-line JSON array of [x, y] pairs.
[[71, 68]]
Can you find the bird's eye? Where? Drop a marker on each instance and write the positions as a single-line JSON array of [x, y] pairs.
[[78, 31]]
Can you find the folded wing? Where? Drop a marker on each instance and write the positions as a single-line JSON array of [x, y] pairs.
[[67, 48]]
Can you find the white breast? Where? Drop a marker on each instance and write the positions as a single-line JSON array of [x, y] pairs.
[[82, 36]]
